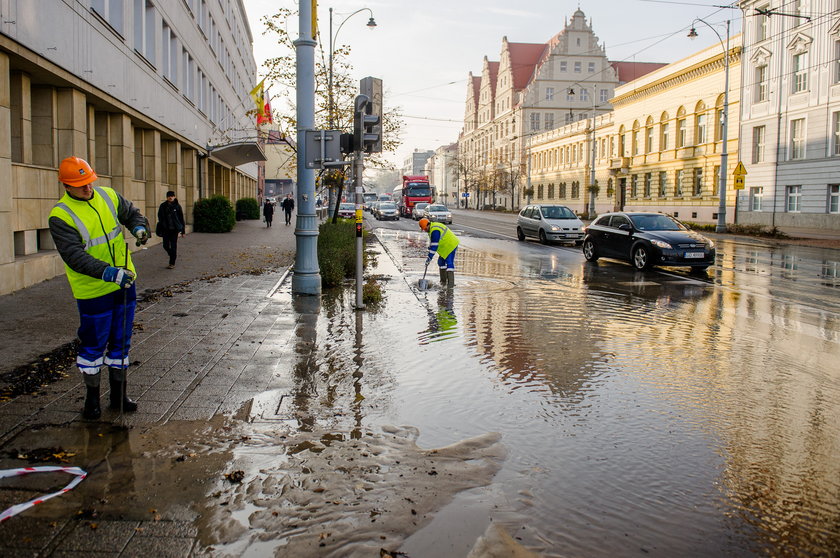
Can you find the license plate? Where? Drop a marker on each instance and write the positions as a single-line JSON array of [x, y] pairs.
[[694, 255], [562, 235]]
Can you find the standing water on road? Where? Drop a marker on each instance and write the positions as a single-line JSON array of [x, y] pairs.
[[640, 411]]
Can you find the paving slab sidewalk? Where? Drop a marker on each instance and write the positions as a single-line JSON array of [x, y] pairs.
[[209, 343]]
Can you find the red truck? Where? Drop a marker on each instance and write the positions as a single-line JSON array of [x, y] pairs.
[[414, 189]]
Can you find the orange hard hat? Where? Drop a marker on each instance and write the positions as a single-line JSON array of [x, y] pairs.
[[76, 172], [424, 223]]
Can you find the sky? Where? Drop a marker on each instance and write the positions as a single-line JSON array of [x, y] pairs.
[[423, 50]]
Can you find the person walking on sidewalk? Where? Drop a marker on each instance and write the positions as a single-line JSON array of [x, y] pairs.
[[86, 226], [443, 242], [288, 205], [170, 225], [268, 212]]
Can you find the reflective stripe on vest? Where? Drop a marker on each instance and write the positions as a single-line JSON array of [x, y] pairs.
[[80, 225]]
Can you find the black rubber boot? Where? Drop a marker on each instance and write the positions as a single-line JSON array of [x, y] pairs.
[[119, 399], [92, 410], [450, 277], [442, 275]]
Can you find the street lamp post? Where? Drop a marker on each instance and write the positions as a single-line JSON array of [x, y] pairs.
[[724, 154], [330, 98], [591, 210]]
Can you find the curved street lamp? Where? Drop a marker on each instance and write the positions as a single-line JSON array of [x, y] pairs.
[[370, 24], [591, 210], [724, 153]]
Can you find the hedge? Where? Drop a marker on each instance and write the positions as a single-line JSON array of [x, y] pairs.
[[213, 215]]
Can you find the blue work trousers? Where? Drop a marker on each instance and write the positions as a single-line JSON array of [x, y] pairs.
[[105, 330], [448, 262]]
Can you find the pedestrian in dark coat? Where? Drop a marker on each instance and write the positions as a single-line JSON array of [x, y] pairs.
[[170, 226], [268, 212], [288, 206]]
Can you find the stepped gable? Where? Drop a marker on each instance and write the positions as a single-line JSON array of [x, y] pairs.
[[524, 58]]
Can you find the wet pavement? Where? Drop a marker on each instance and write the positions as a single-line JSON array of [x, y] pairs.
[[568, 408]]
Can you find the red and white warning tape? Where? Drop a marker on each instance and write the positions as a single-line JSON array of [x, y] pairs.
[[17, 508]]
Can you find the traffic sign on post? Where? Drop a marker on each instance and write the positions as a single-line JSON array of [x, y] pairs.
[[738, 175]]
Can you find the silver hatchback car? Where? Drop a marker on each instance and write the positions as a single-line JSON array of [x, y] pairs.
[[549, 223]]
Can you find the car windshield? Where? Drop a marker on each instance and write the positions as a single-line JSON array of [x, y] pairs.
[[558, 212], [436, 208], [384, 198], [655, 223], [349, 206], [418, 190], [421, 205], [387, 205], [370, 197]]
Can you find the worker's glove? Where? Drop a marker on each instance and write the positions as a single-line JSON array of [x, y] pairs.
[[122, 277], [141, 234], [429, 259]]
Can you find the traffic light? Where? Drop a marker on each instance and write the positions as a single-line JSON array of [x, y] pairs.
[[371, 120]]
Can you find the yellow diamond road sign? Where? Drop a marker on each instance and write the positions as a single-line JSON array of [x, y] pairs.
[[738, 175]]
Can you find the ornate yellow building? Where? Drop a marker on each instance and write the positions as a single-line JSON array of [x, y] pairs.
[[659, 150]]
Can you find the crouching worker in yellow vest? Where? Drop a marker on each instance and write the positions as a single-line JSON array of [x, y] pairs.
[[86, 226], [443, 242]]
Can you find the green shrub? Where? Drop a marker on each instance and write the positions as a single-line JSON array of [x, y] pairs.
[[213, 215], [247, 208], [710, 227], [371, 293], [336, 251]]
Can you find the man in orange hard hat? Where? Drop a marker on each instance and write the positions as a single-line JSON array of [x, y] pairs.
[[443, 242], [86, 226]]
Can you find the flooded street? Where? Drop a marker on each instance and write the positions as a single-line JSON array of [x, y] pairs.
[[544, 405], [641, 412]]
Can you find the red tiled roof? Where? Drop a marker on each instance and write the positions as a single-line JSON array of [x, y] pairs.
[[493, 70], [628, 71], [476, 88], [523, 59]]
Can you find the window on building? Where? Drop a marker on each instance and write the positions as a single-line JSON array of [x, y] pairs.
[[144, 29], [570, 96], [678, 183], [836, 132], [682, 132], [562, 190], [663, 184], [584, 94], [797, 138], [648, 180], [549, 121], [663, 136], [551, 191], [794, 199], [720, 124], [800, 72], [760, 83], [605, 95], [569, 118], [756, 198], [549, 93], [592, 67], [836, 61], [698, 182], [634, 145], [716, 180], [577, 67], [535, 121], [758, 144], [761, 22], [834, 198], [575, 189], [634, 186], [700, 135], [564, 66], [540, 191], [111, 11], [649, 139]]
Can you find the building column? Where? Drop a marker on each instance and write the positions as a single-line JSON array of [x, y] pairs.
[[7, 239], [152, 173], [121, 154], [71, 124]]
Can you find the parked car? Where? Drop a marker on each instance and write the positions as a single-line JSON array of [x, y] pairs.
[[417, 212], [549, 223], [647, 239], [437, 212], [347, 210], [387, 211]]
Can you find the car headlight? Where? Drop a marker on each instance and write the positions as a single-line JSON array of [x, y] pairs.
[[554, 228], [711, 243], [661, 244]]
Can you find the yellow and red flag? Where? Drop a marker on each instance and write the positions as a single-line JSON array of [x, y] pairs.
[[258, 96], [265, 117]]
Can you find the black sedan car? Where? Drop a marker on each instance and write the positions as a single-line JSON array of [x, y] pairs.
[[645, 240]]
